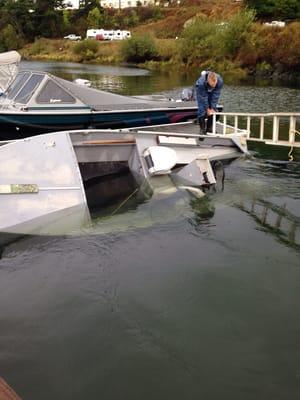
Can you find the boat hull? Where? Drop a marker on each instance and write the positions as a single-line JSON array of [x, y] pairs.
[[19, 125]]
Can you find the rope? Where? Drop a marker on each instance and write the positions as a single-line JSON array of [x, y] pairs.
[[290, 155], [123, 202]]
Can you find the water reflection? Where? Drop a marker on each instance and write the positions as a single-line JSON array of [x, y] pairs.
[[275, 219], [123, 80]]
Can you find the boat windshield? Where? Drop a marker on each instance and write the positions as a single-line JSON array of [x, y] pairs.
[[29, 88], [26, 84], [52, 93], [23, 87], [14, 88]]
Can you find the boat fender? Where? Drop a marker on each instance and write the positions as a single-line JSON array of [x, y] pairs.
[[160, 159]]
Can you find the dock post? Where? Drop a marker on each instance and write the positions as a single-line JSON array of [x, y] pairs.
[[214, 124], [262, 125], [224, 124], [292, 129], [248, 126], [236, 123], [275, 129]]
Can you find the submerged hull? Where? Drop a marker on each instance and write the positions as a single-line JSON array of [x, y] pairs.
[[23, 124], [40, 190], [43, 193]]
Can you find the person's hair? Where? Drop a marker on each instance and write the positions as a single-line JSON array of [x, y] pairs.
[[212, 78]]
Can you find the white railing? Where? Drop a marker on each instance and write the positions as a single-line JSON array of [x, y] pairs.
[[261, 132]]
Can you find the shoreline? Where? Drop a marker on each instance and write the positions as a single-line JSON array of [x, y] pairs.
[[108, 53]]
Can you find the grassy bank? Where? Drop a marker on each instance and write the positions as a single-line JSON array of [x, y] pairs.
[[64, 50]]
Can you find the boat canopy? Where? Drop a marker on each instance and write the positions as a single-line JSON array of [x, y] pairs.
[[36, 90], [9, 66]]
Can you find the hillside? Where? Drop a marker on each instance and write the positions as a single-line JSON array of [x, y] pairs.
[[174, 17], [241, 47]]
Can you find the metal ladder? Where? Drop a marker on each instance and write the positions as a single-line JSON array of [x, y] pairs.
[[278, 135]]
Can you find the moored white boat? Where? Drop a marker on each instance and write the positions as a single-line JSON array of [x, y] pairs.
[[37, 102]]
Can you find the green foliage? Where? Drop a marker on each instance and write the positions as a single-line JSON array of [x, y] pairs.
[[138, 49], [131, 20], [16, 14], [234, 33], [9, 39], [42, 46], [206, 39], [86, 49], [263, 68], [94, 18], [197, 42], [66, 21], [286, 9]]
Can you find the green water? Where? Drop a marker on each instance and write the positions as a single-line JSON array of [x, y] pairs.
[[172, 298]]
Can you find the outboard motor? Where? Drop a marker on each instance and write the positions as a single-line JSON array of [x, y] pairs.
[[188, 94], [160, 160]]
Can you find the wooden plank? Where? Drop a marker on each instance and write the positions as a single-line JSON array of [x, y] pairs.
[[6, 392]]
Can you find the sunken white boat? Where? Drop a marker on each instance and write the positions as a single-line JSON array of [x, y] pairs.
[[38, 102], [42, 178]]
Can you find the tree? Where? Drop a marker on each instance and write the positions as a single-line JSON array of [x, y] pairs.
[[9, 40], [17, 14], [48, 20], [93, 18], [287, 9]]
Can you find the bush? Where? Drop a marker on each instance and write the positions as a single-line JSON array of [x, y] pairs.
[[272, 46], [139, 49], [86, 49], [234, 33], [167, 49], [287, 49], [206, 39], [198, 41]]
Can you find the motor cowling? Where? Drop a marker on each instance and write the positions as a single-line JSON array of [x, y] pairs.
[[160, 159]]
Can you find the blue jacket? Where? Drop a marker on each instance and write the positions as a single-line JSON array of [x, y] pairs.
[[206, 96]]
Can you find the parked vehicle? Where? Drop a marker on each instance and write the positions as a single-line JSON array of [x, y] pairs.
[[102, 34], [121, 35], [72, 36], [279, 24]]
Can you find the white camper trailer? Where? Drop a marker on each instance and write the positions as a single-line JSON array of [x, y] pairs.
[[103, 34]]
